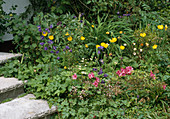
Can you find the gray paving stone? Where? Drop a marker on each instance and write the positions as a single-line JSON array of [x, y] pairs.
[[5, 56], [10, 88], [26, 108]]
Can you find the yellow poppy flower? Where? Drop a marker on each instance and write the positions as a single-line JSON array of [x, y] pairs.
[[142, 34], [92, 26], [160, 27], [51, 37], [44, 33], [154, 47], [97, 46], [106, 45], [107, 32], [120, 32], [67, 34], [65, 67], [102, 44], [122, 47], [166, 27], [82, 38], [86, 46], [69, 38], [113, 40], [10, 15]]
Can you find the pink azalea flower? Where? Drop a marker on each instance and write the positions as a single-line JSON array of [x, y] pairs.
[[90, 76], [123, 71], [95, 83], [74, 76], [97, 80], [164, 86], [129, 70], [152, 75], [119, 73]]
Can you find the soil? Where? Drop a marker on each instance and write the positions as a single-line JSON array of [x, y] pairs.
[[7, 46]]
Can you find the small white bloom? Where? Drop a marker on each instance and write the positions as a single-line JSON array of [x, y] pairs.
[[141, 50], [134, 49], [125, 44], [115, 62], [83, 72], [134, 53], [134, 43]]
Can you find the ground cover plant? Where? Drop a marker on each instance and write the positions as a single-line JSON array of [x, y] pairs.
[[108, 68]]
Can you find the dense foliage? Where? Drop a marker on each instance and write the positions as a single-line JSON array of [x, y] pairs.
[[112, 62]]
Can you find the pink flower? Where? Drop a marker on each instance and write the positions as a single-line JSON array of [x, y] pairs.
[[74, 76], [152, 75], [123, 71], [129, 70], [91, 75], [119, 73], [97, 80], [95, 83], [164, 86]]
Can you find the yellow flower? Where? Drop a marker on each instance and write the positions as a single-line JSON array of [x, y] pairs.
[[113, 40], [160, 27], [166, 27], [122, 47], [67, 34], [147, 44], [97, 46], [110, 54], [51, 37], [86, 45], [69, 38], [154, 47], [120, 32], [106, 45], [92, 26], [142, 34], [44, 33], [82, 38], [102, 44], [10, 15], [107, 32], [65, 67], [118, 37]]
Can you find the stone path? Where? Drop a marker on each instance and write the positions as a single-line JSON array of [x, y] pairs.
[[26, 107], [5, 56]]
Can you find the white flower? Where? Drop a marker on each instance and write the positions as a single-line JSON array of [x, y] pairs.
[[83, 72], [125, 44], [134, 49], [141, 50], [134, 53], [134, 43]]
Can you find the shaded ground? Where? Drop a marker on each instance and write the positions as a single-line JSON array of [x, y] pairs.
[[7, 46]]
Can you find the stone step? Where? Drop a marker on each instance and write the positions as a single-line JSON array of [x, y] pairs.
[[5, 56], [26, 107], [10, 88]]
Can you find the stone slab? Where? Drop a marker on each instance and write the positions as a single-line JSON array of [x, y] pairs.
[[26, 107], [10, 88], [5, 56]]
